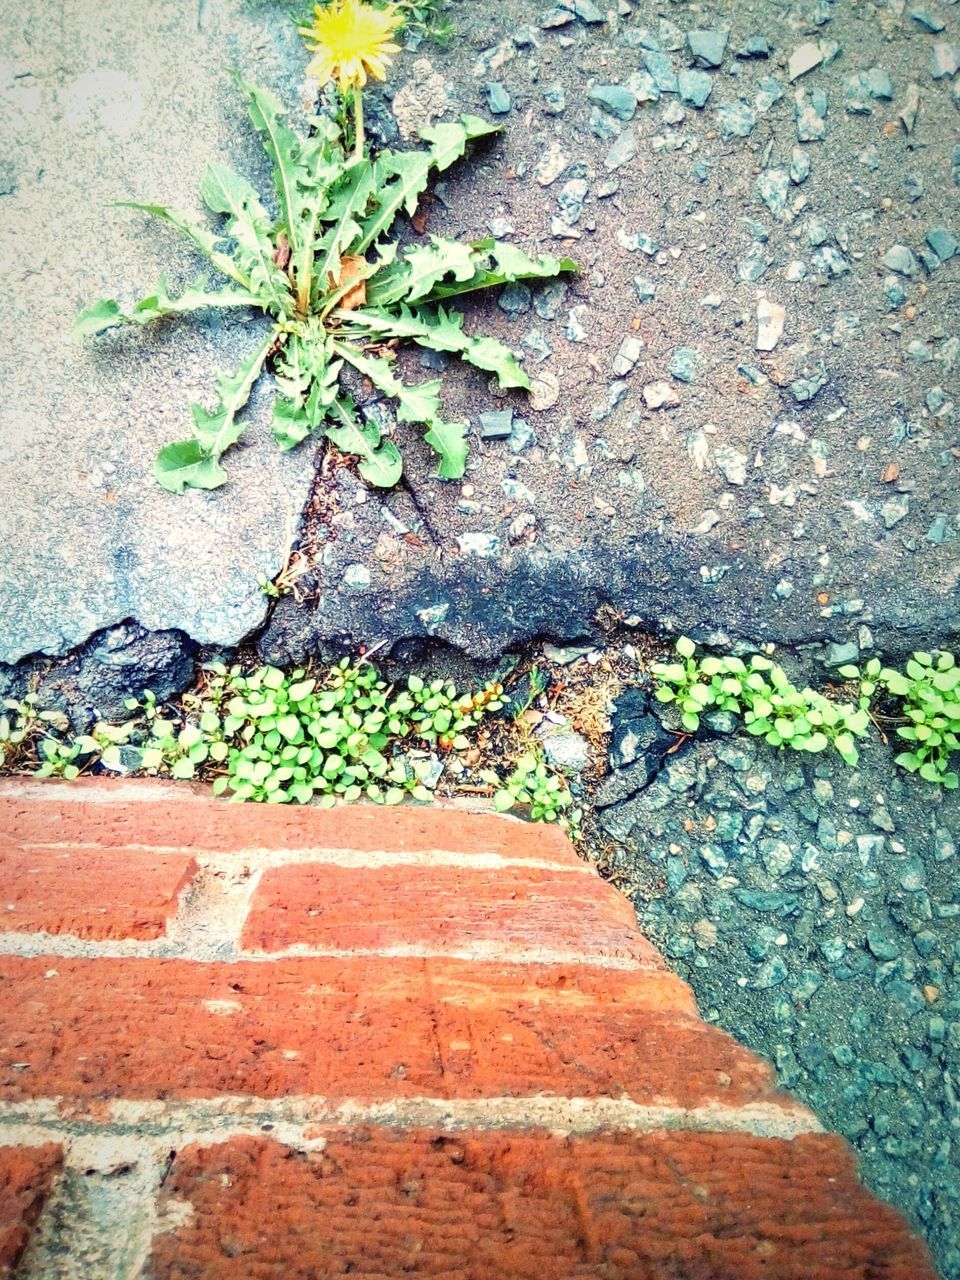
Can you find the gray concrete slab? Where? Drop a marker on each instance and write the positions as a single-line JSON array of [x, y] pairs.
[[103, 100]]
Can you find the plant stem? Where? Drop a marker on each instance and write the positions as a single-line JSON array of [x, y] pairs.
[[358, 116], [303, 296]]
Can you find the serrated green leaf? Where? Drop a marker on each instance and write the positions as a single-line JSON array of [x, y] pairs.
[[97, 318], [399, 180], [205, 239], [324, 391], [498, 262], [401, 176], [248, 224], [282, 146], [185, 465], [448, 441], [304, 172], [425, 267], [294, 367], [439, 330], [194, 298], [347, 206], [106, 313], [307, 383], [448, 141], [417, 403], [218, 429], [290, 425], [494, 357], [380, 461]]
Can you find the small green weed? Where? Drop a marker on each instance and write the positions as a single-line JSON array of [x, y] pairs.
[[296, 737], [771, 706], [22, 726], [535, 784], [269, 735], [59, 759], [288, 738], [760, 692], [928, 692]]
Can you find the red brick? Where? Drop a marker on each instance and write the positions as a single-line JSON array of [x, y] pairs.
[[369, 1029], [178, 815], [26, 1179], [92, 893], [324, 906], [376, 1204]]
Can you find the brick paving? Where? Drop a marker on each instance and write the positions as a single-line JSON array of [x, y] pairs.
[[244, 1041]]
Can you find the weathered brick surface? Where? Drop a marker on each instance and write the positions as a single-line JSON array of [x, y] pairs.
[[26, 1178], [374, 1204], [90, 892], [168, 814], [446, 907], [560, 1020], [361, 1028]]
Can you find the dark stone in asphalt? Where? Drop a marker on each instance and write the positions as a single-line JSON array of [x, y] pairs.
[[636, 730], [125, 660], [93, 682]]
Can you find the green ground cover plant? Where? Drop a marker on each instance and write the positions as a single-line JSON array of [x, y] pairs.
[[23, 725], [928, 693], [339, 291], [290, 738], [535, 784], [922, 704]]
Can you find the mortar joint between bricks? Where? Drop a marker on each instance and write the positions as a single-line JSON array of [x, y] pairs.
[[217, 1119]]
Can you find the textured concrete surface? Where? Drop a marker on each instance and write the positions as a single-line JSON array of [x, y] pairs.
[[101, 102], [688, 468]]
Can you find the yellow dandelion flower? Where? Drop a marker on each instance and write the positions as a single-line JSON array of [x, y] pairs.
[[351, 41]]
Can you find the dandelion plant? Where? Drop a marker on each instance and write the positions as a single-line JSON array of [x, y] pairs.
[[339, 291]]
